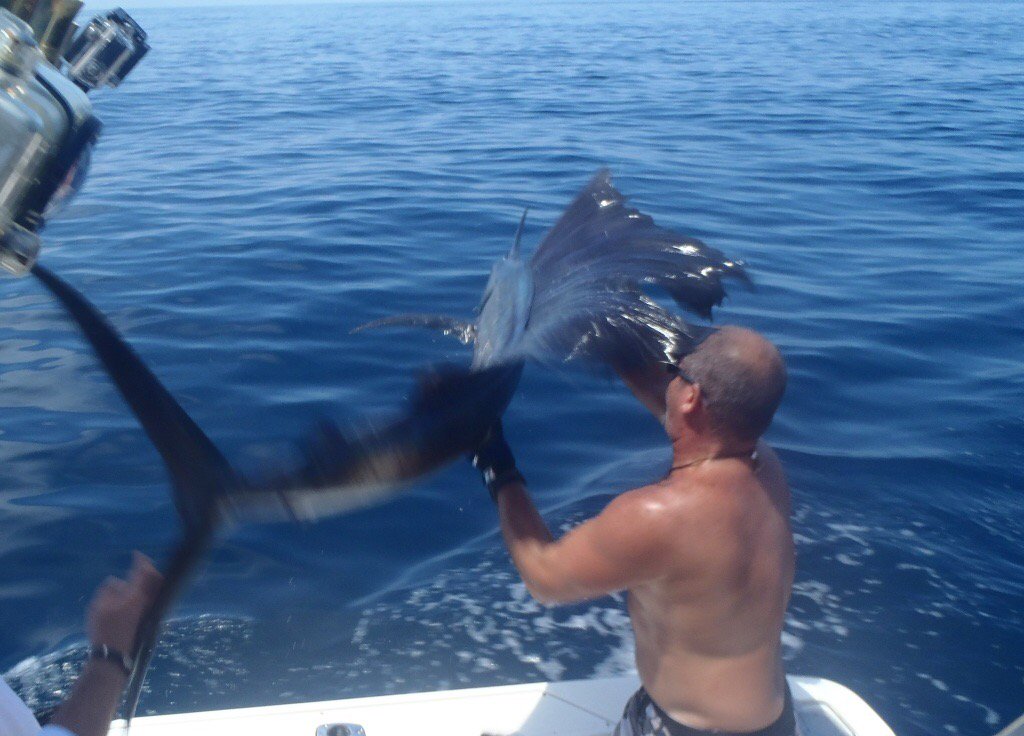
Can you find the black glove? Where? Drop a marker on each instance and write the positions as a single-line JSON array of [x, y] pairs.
[[493, 458]]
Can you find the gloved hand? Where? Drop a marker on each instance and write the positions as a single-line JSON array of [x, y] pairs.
[[493, 458]]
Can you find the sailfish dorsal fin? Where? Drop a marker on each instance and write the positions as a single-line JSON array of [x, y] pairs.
[[513, 254]]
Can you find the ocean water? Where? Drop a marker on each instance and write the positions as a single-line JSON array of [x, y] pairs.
[[270, 178]]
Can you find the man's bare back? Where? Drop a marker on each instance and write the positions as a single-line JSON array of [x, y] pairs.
[[711, 627], [706, 555]]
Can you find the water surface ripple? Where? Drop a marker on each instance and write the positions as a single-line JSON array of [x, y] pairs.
[[271, 178]]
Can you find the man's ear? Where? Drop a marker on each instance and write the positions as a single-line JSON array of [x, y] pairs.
[[691, 398]]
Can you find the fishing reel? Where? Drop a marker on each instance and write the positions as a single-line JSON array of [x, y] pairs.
[[47, 128]]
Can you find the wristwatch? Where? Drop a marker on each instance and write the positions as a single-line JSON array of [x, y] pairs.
[[496, 481], [109, 654]]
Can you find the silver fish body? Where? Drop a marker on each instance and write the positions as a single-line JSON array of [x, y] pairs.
[[504, 313], [449, 416]]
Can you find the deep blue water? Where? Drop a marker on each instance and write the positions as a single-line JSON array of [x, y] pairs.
[[271, 178]]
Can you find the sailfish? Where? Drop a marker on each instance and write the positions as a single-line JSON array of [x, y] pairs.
[[583, 293], [581, 296]]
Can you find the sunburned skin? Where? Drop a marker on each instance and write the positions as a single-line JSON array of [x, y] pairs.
[[706, 556], [708, 629]]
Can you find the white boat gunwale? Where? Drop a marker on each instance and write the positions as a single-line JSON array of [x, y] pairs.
[[570, 708]]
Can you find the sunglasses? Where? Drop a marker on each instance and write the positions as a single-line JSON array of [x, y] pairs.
[[675, 371]]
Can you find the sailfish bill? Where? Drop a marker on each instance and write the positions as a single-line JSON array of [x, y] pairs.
[[199, 473]]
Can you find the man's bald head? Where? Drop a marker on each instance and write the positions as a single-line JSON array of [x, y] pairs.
[[742, 378]]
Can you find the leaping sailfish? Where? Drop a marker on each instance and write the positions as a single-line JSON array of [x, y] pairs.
[[582, 293]]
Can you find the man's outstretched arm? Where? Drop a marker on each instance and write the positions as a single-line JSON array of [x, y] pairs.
[[111, 621], [648, 384], [619, 548], [615, 550]]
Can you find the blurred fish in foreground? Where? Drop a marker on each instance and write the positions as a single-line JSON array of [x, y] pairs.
[[579, 297], [449, 415]]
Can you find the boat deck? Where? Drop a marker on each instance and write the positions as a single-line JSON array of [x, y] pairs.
[[574, 708]]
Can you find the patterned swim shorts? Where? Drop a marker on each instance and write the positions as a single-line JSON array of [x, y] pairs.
[[643, 717]]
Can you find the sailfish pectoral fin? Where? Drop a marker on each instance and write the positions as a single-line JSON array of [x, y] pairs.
[[199, 472], [464, 332], [514, 252]]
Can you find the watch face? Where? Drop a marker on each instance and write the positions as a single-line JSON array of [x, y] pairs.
[[105, 653]]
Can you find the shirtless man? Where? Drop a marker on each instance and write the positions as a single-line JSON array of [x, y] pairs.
[[706, 554]]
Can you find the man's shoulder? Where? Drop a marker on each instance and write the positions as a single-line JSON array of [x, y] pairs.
[[771, 473], [669, 504], [639, 501], [682, 522]]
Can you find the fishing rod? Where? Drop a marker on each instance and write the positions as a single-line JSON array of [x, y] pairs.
[[48, 67]]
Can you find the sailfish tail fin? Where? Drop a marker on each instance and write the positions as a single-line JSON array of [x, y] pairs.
[[197, 469]]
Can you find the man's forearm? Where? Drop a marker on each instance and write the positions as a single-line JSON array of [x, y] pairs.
[[526, 535], [93, 701], [648, 385]]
